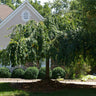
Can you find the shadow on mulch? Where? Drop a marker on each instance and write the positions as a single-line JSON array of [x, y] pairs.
[[46, 86]]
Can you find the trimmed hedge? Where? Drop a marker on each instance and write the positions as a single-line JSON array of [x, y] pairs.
[[31, 73], [58, 72], [5, 72], [18, 73], [42, 73]]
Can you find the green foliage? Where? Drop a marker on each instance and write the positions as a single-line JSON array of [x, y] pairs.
[[18, 73], [43, 10], [9, 3], [4, 57], [23, 45], [11, 6], [60, 6], [5, 1], [78, 68], [58, 72], [88, 77], [42, 73], [31, 73], [63, 37], [46, 10], [5, 73]]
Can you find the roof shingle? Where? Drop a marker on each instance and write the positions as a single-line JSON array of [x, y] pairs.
[[4, 11]]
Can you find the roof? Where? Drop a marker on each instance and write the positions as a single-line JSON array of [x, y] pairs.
[[4, 11]]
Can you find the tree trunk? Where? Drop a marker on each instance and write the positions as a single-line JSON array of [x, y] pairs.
[[84, 52], [47, 68], [37, 63]]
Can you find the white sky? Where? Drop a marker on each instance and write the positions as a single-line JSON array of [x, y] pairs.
[[42, 1]]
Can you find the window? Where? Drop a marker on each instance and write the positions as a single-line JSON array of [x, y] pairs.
[[25, 15], [0, 20]]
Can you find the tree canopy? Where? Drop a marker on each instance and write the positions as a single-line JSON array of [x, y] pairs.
[[67, 36]]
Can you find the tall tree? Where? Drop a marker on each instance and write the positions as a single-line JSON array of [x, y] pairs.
[[46, 10], [60, 6]]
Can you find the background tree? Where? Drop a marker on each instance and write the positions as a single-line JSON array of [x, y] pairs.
[[46, 10], [60, 6]]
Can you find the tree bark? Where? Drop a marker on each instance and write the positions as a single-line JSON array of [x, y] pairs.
[[47, 68], [37, 63]]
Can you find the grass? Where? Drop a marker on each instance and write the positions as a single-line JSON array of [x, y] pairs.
[[87, 77], [60, 79], [6, 90]]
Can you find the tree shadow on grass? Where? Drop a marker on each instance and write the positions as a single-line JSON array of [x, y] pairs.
[[47, 86], [7, 90], [55, 88], [5, 87], [65, 92], [29, 89]]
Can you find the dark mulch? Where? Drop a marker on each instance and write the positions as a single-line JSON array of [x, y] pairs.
[[46, 86]]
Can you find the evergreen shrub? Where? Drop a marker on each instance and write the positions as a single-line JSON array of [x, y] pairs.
[[18, 73], [42, 73], [58, 72], [31, 73], [5, 72]]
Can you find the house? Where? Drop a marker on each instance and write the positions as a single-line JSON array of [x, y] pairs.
[[9, 17], [21, 15]]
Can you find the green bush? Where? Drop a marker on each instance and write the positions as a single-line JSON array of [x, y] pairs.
[[78, 68], [18, 73], [58, 72], [42, 73], [31, 73], [5, 73]]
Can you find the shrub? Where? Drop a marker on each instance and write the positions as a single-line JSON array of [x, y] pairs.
[[78, 68], [5, 72], [31, 73], [18, 73], [42, 73], [58, 72]]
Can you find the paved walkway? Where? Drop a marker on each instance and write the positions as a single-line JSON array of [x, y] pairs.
[[17, 80], [79, 83]]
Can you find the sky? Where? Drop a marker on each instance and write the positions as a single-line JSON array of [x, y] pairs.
[[43, 1]]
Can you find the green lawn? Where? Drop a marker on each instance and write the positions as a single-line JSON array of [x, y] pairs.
[[5, 90]]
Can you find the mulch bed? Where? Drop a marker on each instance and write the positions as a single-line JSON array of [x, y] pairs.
[[46, 86]]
